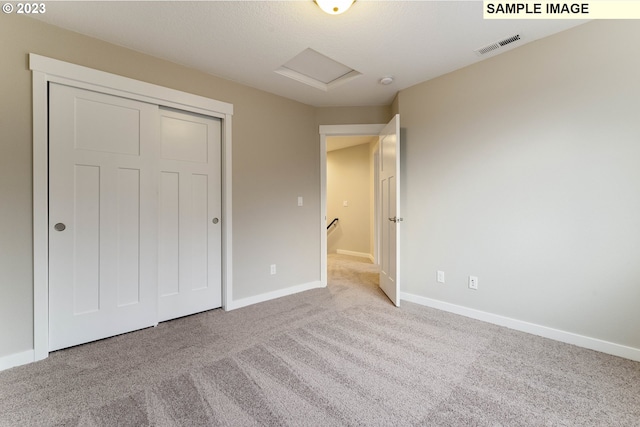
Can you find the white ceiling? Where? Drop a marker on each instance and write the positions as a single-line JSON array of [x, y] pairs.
[[246, 41]]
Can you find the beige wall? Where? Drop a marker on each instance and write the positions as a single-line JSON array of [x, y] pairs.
[[352, 115], [523, 170], [275, 159], [394, 108], [348, 178]]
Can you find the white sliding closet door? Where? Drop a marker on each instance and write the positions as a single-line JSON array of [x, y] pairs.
[[102, 216], [189, 239]]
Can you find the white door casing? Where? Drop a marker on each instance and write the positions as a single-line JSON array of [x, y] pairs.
[[102, 227], [189, 233], [390, 209]]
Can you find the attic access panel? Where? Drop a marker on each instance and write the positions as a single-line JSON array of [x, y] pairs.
[[317, 70]]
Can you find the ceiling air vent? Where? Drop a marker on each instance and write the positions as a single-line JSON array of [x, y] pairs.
[[497, 45]]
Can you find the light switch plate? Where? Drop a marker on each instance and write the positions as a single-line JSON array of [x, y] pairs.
[[300, 201]]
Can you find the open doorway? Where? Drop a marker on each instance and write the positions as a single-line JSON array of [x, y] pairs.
[[351, 195], [356, 233], [388, 195]]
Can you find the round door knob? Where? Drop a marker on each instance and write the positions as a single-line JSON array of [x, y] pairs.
[[215, 220], [59, 226]]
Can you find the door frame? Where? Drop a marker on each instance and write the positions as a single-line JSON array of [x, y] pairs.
[[45, 70], [327, 131]]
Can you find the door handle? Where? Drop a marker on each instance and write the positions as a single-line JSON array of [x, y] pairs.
[[215, 220], [59, 227], [395, 219]]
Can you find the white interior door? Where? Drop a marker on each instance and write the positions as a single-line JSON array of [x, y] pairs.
[[390, 209], [189, 238], [102, 216]]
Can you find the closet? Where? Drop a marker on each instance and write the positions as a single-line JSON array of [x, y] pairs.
[[135, 211]]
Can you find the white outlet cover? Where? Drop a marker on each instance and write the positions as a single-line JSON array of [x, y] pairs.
[[345, 203], [473, 282], [440, 276], [300, 201]]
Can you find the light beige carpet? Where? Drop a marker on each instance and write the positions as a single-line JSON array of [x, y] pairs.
[[343, 355]]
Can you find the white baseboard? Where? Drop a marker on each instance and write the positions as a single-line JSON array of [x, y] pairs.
[[531, 328], [352, 253], [273, 295], [17, 359]]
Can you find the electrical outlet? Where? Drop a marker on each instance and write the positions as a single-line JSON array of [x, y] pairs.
[[473, 282], [273, 269], [440, 276]]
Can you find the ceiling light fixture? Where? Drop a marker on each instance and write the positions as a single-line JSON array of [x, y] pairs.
[[334, 7], [386, 80]]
